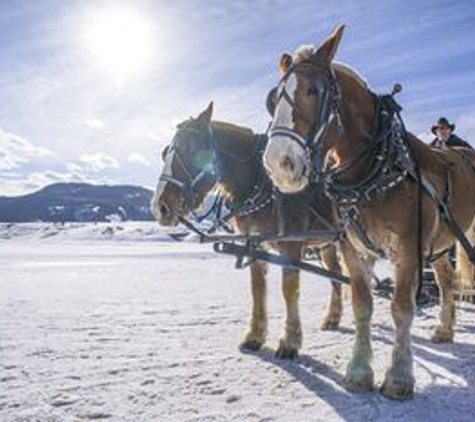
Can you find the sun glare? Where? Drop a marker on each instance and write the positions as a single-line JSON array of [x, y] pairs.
[[120, 41]]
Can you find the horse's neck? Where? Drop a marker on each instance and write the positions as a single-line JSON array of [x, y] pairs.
[[238, 162], [358, 118]]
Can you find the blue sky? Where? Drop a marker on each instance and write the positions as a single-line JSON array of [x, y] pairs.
[[64, 116]]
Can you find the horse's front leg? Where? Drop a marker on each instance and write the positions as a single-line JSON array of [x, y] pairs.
[[359, 374], [399, 381], [445, 276], [291, 341], [335, 308], [256, 334]]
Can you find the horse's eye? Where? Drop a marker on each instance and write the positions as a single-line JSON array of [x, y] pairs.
[[185, 147], [312, 91]]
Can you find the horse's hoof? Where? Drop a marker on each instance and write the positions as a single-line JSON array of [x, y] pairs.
[[359, 378], [286, 352], [252, 341], [330, 324], [398, 389], [442, 335], [250, 346]]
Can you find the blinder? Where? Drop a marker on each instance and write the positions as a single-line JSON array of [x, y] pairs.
[[164, 153], [271, 101]]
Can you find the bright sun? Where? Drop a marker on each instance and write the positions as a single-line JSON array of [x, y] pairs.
[[120, 41]]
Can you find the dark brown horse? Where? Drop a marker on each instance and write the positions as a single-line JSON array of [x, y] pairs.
[[386, 186], [207, 156]]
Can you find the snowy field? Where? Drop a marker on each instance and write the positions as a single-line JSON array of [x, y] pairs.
[[120, 324]]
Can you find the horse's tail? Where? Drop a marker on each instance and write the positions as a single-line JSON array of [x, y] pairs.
[[465, 268]]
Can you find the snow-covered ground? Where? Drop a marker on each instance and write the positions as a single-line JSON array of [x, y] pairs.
[[123, 231], [144, 329]]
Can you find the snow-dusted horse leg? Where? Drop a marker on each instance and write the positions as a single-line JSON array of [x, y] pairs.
[[256, 334], [445, 276], [291, 340], [359, 374], [335, 307], [399, 380]]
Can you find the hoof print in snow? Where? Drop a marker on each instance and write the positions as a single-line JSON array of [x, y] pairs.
[[63, 400], [96, 415], [233, 399]]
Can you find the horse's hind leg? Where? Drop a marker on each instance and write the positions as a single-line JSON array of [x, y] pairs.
[[256, 334], [399, 381], [291, 341], [445, 276], [359, 374], [335, 308]]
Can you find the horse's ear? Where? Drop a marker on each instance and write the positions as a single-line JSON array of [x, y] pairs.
[[326, 51], [205, 116], [285, 62]]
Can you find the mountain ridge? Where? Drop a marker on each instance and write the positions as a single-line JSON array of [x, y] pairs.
[[79, 202]]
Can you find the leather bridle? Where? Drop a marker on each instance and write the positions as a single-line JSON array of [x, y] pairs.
[[330, 110], [209, 173]]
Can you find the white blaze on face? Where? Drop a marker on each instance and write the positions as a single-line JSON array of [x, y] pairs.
[[155, 205], [284, 157], [283, 112], [157, 196]]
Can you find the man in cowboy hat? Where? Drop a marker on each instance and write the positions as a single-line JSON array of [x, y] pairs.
[[444, 136]]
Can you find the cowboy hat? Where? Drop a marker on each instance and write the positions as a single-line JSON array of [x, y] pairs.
[[442, 122]]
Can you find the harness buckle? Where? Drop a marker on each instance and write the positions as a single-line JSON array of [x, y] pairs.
[[349, 213], [369, 191]]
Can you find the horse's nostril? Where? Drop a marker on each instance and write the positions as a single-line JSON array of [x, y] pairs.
[[287, 164], [164, 210]]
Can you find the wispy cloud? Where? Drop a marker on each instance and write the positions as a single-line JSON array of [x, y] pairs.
[[16, 151], [52, 95], [136, 158], [25, 166], [98, 161]]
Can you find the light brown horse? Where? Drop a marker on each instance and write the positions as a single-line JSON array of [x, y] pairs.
[[324, 127], [205, 155]]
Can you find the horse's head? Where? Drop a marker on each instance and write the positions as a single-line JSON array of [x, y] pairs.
[[306, 106], [189, 171]]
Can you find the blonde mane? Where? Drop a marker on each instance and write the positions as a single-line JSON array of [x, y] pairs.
[[306, 52]]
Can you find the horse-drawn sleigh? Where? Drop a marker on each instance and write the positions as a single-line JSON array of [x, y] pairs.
[[353, 182]]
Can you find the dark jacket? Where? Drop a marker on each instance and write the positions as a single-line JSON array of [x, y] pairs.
[[453, 141]]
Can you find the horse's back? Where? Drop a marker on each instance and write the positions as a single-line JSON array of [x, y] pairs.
[[434, 160]]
